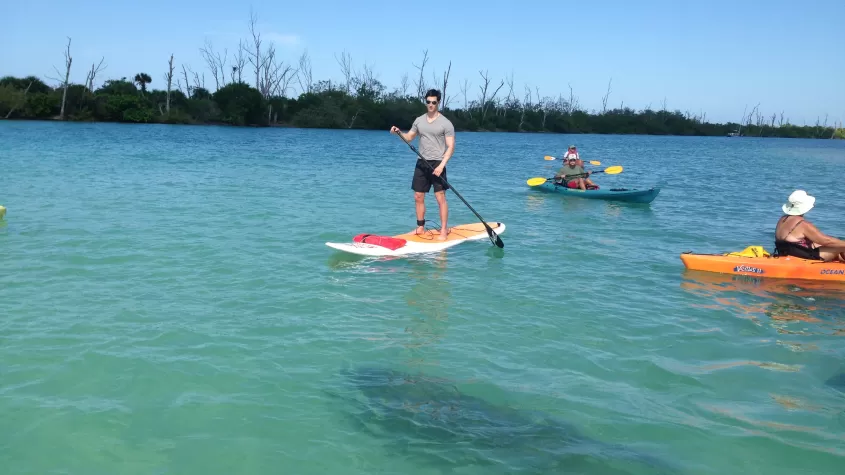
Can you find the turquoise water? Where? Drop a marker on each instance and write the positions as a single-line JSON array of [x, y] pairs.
[[169, 307]]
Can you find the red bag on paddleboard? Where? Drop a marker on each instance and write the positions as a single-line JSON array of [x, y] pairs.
[[389, 242]]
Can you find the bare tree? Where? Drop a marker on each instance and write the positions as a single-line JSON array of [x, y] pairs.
[[276, 75], [216, 63], [445, 101], [420, 83], [774, 118], [404, 84], [742, 121], [68, 62], [187, 82], [367, 77], [526, 104], [199, 83], [240, 63], [780, 123], [20, 102], [254, 56], [573, 101], [304, 76], [604, 99], [282, 77], [169, 78], [484, 89], [95, 69], [510, 97], [346, 69], [464, 89]]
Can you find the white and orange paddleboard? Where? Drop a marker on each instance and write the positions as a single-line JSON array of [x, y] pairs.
[[411, 243]]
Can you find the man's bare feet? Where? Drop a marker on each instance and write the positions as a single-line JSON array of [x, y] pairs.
[[444, 234], [420, 230]]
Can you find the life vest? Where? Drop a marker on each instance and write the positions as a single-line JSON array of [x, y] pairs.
[[388, 242], [751, 251]]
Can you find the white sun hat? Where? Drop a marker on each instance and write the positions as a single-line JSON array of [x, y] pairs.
[[798, 203]]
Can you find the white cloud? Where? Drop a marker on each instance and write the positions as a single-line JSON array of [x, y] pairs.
[[283, 39]]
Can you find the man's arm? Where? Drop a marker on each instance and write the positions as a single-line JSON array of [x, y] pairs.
[[450, 146], [450, 149], [407, 136]]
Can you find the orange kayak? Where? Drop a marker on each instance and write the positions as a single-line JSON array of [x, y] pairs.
[[788, 267]]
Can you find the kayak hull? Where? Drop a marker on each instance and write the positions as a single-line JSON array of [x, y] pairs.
[[421, 243], [611, 194], [788, 267]]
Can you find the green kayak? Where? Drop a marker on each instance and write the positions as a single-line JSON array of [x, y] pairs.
[[611, 194]]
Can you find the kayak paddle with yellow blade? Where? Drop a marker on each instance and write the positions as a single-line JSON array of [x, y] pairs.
[[591, 162], [537, 181]]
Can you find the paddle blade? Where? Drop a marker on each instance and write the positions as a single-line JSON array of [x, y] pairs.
[[616, 169], [549, 157], [537, 181], [494, 238], [595, 162]]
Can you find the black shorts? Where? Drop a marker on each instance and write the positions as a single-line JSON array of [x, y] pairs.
[[424, 178]]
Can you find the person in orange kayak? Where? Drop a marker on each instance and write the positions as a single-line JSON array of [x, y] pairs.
[[795, 236]]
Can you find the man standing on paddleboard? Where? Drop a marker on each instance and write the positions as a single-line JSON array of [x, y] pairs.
[[437, 143]]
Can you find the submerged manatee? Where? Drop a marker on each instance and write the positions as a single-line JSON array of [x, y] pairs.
[[837, 381], [431, 420]]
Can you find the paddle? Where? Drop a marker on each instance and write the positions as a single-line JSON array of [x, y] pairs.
[[494, 238], [537, 181], [591, 162]]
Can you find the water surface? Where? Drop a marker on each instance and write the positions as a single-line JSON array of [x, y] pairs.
[[169, 307]]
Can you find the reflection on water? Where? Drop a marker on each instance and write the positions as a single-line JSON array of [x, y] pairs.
[[428, 302], [805, 314], [534, 201], [431, 421], [780, 302]]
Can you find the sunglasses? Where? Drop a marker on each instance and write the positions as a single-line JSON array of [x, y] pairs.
[[430, 102]]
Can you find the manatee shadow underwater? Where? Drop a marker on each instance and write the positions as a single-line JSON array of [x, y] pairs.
[[428, 420], [837, 381]]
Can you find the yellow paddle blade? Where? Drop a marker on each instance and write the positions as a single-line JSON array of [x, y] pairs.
[[549, 157], [537, 181], [613, 170], [595, 162]]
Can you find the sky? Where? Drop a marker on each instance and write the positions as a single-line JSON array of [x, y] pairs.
[[714, 57]]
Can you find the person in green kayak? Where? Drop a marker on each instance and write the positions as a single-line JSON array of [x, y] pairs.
[[572, 175], [437, 143], [572, 152], [795, 236]]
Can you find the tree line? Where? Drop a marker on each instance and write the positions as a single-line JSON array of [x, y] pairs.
[[255, 87]]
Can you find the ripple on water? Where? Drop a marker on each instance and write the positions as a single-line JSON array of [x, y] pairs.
[[169, 306]]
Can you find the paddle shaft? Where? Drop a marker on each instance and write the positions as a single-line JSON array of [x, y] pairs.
[[580, 175], [497, 241]]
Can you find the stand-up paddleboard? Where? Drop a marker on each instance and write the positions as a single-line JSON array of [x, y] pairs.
[[411, 243]]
